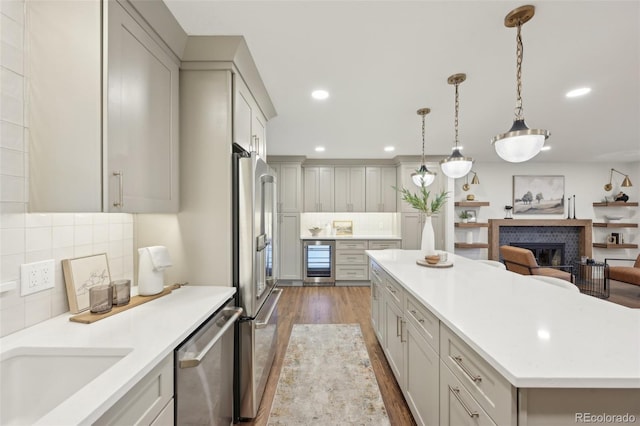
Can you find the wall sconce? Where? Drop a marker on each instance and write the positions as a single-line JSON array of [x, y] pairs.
[[625, 183], [474, 181]]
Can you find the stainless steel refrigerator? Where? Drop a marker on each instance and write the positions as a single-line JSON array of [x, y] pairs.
[[255, 276]]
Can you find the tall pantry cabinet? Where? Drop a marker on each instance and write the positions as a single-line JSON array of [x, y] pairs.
[[212, 70]]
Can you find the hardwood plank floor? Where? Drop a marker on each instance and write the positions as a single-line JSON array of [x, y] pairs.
[[333, 305], [624, 294]]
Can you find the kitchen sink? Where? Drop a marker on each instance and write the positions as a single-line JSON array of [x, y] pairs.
[[35, 380]]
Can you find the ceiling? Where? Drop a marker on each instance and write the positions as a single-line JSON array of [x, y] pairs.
[[383, 60]]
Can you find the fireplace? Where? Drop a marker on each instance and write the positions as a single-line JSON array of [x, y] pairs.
[[546, 254]]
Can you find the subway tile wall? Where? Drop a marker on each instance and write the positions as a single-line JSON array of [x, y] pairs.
[[30, 237]]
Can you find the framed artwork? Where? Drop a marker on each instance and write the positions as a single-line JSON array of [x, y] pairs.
[[82, 273], [343, 227], [538, 194], [471, 216]]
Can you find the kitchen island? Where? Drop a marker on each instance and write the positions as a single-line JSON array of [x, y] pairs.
[[146, 335], [511, 348]]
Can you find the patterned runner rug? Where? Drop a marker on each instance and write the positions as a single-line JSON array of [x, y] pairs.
[[327, 379]]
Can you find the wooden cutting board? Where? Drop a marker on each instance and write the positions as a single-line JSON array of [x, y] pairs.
[[88, 317]]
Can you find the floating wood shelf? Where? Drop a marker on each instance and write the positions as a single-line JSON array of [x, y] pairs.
[[614, 225], [472, 225], [616, 204], [615, 246], [471, 245], [472, 203]]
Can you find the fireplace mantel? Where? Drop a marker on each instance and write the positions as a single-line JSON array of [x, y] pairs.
[[585, 226]]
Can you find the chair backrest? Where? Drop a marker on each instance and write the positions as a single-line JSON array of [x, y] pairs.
[[557, 282], [493, 263], [517, 259], [637, 262]]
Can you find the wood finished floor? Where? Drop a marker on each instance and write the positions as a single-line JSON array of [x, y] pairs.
[[333, 305], [624, 294]]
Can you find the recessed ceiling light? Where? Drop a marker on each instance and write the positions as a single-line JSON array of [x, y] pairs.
[[389, 148], [319, 148], [545, 148], [578, 92], [320, 94]]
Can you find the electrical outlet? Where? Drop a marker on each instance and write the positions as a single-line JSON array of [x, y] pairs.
[[37, 276]]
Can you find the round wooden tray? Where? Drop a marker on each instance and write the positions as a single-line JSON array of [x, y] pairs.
[[447, 264]]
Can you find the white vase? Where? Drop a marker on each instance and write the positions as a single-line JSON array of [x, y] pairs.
[[427, 246]]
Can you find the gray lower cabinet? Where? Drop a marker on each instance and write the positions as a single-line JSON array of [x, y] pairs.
[[290, 247], [125, 131], [377, 304], [150, 400], [421, 377], [412, 224]]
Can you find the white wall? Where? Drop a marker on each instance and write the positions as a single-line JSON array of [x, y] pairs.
[[584, 180], [26, 237]]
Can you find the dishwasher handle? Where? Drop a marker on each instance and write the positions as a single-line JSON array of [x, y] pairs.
[[195, 361], [275, 296]]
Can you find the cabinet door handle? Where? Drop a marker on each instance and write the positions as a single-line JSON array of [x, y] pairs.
[[458, 360], [398, 327], [120, 202], [421, 321], [401, 333], [414, 312], [456, 393]]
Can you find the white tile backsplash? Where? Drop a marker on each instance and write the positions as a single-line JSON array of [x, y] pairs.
[[29, 237], [370, 224]]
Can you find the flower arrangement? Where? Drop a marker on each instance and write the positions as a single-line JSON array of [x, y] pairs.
[[420, 201]]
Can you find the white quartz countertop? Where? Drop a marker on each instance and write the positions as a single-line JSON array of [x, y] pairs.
[[535, 335], [323, 236], [151, 330]]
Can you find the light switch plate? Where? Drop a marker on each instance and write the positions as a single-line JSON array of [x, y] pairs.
[[37, 276]]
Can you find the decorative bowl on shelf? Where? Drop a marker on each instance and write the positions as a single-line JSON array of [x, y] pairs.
[[315, 231], [613, 219]]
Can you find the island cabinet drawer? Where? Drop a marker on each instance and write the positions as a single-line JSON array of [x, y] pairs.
[[352, 272], [376, 271], [488, 387], [424, 321], [394, 292], [351, 245], [350, 257], [457, 406], [383, 245]]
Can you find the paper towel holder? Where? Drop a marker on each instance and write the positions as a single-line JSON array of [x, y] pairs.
[[151, 265]]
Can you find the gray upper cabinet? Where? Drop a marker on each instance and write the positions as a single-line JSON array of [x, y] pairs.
[[318, 189], [349, 189], [103, 103], [381, 197], [142, 119], [249, 124], [289, 186]]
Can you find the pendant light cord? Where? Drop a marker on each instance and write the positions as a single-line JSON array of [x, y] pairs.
[[456, 115], [519, 53], [423, 139]]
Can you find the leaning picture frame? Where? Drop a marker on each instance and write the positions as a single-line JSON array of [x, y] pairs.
[[538, 194], [471, 216], [343, 227], [82, 273]]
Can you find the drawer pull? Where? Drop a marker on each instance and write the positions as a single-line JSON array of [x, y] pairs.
[[456, 393], [391, 289], [421, 321], [458, 360], [414, 312]]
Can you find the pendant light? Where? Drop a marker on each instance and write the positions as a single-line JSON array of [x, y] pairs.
[[456, 166], [423, 177], [520, 143]]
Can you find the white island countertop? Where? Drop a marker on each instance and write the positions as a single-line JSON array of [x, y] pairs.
[[535, 335], [151, 331]]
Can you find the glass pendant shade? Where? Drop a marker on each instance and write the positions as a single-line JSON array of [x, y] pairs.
[[520, 143], [423, 177], [456, 166]]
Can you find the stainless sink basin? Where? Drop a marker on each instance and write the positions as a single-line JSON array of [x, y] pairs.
[[35, 380]]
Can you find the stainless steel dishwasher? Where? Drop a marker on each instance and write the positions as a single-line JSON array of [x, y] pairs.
[[204, 371]]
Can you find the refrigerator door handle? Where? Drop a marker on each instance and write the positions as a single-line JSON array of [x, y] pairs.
[[275, 297], [194, 361]]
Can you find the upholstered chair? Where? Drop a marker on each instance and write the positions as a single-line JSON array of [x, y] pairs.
[[627, 274], [522, 261]]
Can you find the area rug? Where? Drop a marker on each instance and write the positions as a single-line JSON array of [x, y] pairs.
[[327, 379]]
